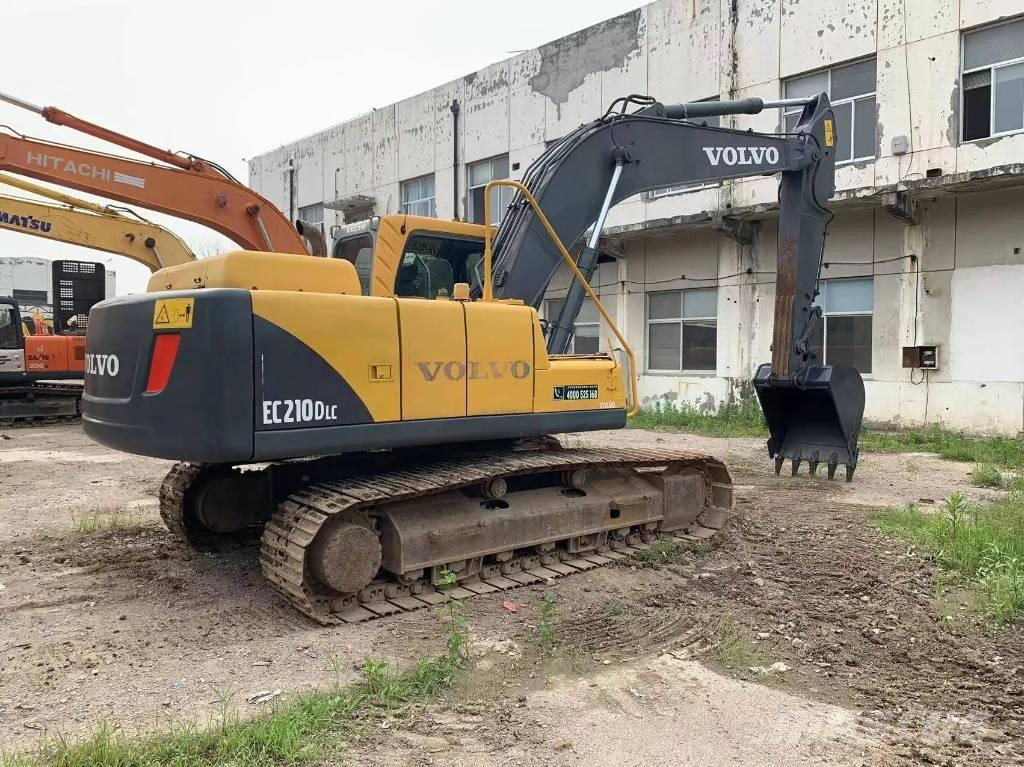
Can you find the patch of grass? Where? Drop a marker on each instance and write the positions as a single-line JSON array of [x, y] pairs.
[[738, 419], [670, 551], [734, 649], [1004, 452], [546, 626], [982, 544], [305, 730], [105, 520], [986, 476]]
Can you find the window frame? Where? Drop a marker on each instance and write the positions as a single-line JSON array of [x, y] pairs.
[[681, 322], [318, 206], [551, 317], [992, 133], [851, 100], [432, 199], [825, 315], [501, 191]]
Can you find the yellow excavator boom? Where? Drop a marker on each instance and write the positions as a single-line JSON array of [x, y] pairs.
[[89, 225]]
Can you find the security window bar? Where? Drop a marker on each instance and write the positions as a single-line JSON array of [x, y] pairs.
[[843, 337], [480, 173], [312, 214], [992, 75], [682, 331], [586, 338], [418, 197], [668, 191], [851, 89]]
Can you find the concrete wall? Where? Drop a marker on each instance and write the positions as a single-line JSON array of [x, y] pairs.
[[966, 239]]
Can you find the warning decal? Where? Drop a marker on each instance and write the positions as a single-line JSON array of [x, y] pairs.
[[171, 313], [830, 136]]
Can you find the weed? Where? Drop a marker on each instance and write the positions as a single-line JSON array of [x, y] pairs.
[[733, 649], [308, 729], [738, 419], [981, 544], [456, 620], [546, 627], [986, 476], [105, 520], [670, 551], [1005, 452]]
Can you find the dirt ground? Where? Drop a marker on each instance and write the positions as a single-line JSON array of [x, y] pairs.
[[130, 626]]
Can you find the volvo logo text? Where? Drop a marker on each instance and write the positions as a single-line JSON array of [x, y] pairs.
[[102, 364], [742, 155]]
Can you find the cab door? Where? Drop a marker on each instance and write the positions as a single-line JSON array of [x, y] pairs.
[[12, 340]]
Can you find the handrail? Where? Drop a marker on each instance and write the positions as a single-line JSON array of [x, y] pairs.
[[488, 286]]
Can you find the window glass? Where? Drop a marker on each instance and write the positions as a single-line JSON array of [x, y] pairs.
[[808, 85], [849, 296], [852, 80], [588, 312], [8, 331], [700, 303], [480, 174], [844, 129], [358, 250], [586, 339], [664, 345], [1009, 113], [664, 305], [849, 341], [418, 197], [990, 46], [699, 342], [864, 128], [312, 214], [977, 105]]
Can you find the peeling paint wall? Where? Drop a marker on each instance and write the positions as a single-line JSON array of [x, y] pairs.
[[681, 50]]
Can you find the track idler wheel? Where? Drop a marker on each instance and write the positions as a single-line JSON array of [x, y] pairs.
[[345, 556]]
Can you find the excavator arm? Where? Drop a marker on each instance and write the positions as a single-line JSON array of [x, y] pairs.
[[79, 222], [813, 412], [194, 189]]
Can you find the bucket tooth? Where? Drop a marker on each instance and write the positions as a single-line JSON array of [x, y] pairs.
[[849, 472], [812, 467], [832, 469], [794, 466], [778, 464]]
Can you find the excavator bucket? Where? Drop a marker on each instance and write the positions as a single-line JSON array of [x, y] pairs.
[[815, 417]]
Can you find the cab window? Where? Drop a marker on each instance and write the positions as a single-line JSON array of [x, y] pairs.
[[8, 328], [358, 251], [434, 263]]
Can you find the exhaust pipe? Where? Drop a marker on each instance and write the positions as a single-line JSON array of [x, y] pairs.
[[314, 237]]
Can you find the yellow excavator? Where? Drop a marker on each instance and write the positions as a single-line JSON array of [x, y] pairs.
[[399, 399]]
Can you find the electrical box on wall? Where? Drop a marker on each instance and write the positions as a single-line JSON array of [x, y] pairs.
[[924, 357]]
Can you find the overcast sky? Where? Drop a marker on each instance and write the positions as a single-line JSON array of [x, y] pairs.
[[230, 79]]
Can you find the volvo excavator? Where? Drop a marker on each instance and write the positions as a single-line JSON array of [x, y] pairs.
[[383, 420]]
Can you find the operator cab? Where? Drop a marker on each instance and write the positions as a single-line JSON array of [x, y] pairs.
[[426, 262]]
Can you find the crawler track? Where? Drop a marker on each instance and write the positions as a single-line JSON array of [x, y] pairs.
[[40, 403], [297, 520]]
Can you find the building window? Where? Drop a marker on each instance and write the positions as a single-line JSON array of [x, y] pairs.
[[480, 173], [312, 214], [30, 296], [682, 332], [418, 197], [667, 191], [851, 89], [844, 337], [586, 338], [993, 81]]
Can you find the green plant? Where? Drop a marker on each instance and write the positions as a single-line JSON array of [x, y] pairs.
[[982, 544], [546, 626], [986, 476], [736, 419], [104, 519], [733, 649], [456, 619], [1004, 452], [670, 551]]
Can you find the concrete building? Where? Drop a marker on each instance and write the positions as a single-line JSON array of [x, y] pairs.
[[30, 282], [925, 247]]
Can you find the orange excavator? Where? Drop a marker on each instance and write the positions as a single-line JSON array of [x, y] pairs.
[[181, 185]]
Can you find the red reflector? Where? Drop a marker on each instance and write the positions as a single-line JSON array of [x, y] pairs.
[[165, 349]]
